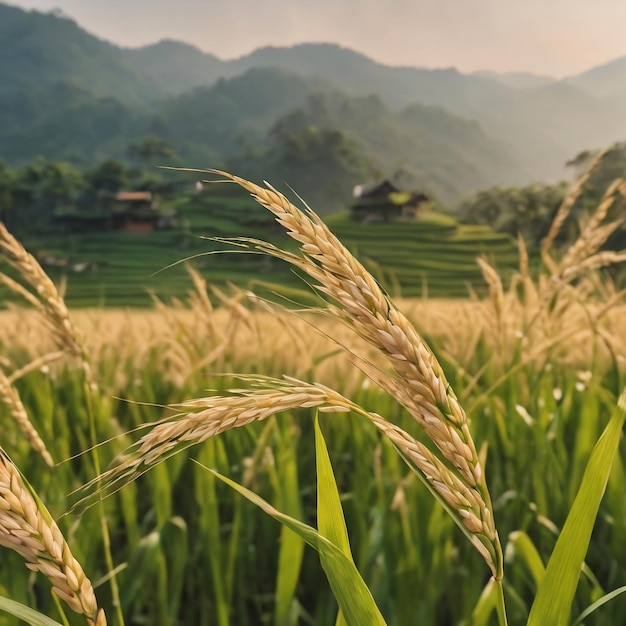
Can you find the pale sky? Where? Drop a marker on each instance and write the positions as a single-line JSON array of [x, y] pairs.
[[555, 37]]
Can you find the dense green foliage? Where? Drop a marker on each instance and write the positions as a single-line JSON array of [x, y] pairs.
[[530, 210], [525, 210], [222, 126], [67, 95], [444, 155]]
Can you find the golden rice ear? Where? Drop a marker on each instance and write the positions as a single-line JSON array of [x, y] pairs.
[[40, 291], [10, 397], [364, 306], [565, 208], [28, 528]]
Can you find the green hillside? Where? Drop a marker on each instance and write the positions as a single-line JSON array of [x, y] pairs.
[[38, 50], [49, 65], [433, 252], [265, 136]]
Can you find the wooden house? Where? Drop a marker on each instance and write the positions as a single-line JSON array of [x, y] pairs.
[[134, 211], [384, 202], [138, 210]]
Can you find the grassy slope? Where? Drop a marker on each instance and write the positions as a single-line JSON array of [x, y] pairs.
[[433, 252]]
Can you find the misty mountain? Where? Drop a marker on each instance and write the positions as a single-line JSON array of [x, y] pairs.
[[603, 81], [517, 80], [232, 115], [290, 117], [356, 74], [39, 50], [66, 93], [431, 149], [176, 67], [543, 124]]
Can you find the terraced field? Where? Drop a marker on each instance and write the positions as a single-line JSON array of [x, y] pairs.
[[432, 255]]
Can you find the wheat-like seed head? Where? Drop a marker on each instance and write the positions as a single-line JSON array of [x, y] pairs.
[[43, 290], [566, 206], [10, 397], [376, 319], [27, 527], [212, 415]]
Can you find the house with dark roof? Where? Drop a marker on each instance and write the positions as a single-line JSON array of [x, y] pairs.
[[384, 202], [133, 211], [138, 210]]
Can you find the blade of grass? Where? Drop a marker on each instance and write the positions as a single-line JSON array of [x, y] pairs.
[[521, 543], [330, 520], [555, 595], [291, 545], [597, 604], [25, 613]]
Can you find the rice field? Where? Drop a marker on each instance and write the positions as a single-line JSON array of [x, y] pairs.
[[455, 466], [123, 268]]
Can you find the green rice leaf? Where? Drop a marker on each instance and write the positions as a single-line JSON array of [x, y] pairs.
[[486, 605], [349, 589], [330, 520], [141, 565], [291, 545], [525, 549], [597, 604], [175, 545], [25, 613], [554, 598]]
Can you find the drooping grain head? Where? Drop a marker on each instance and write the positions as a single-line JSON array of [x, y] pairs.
[[363, 306], [27, 527], [10, 397], [40, 291]]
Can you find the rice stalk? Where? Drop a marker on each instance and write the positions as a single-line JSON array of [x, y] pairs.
[[27, 527], [365, 308], [44, 291], [11, 398], [376, 319], [210, 416], [50, 302], [566, 206]]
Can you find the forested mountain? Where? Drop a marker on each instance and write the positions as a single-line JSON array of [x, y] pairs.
[[66, 94], [231, 116], [38, 50], [424, 145], [177, 67]]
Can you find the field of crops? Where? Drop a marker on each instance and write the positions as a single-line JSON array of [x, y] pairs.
[[123, 267], [457, 471]]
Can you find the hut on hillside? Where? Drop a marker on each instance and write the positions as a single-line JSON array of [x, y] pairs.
[[138, 211], [133, 211], [384, 202]]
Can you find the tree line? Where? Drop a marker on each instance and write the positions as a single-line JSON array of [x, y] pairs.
[[30, 196], [529, 210]]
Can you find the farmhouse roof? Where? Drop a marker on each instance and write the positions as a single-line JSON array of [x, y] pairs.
[[134, 196], [381, 188]]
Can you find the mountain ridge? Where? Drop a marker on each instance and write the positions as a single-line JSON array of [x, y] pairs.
[[50, 66]]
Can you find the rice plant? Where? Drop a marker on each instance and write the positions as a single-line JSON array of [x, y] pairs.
[[384, 488]]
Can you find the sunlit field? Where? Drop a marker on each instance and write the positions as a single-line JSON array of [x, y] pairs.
[[523, 382]]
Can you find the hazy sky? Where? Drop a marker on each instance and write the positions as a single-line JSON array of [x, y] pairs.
[[556, 37]]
